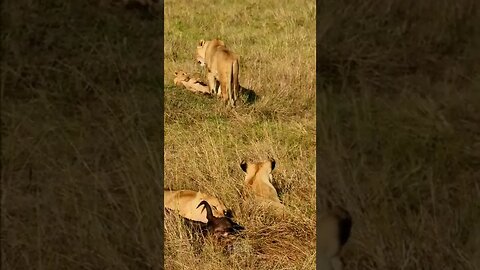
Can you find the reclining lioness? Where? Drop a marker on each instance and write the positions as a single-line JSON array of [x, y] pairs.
[[222, 67], [192, 84], [258, 176], [333, 232], [185, 203]]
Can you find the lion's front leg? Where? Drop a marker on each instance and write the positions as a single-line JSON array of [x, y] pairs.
[[212, 83]]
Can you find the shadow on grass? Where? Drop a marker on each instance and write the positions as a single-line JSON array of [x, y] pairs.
[[248, 96]]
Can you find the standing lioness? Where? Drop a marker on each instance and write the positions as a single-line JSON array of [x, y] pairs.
[[222, 67]]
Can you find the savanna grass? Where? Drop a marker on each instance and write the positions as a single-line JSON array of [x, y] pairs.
[[398, 133], [205, 142], [81, 110]]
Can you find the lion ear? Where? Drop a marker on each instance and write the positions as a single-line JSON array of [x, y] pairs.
[[243, 165], [272, 161], [201, 42]]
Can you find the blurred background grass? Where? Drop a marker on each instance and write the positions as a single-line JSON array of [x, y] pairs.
[[81, 106], [398, 129]]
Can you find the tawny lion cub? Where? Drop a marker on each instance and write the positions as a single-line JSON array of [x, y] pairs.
[[192, 84], [222, 67], [333, 232], [258, 176], [185, 202]]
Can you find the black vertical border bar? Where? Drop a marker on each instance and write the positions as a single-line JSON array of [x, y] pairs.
[[2, 83], [161, 124], [317, 113], [162, 128]]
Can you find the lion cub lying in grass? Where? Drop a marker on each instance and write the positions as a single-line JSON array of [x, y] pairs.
[[258, 177], [334, 225], [192, 84]]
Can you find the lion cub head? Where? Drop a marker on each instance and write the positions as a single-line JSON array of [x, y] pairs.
[[258, 178], [202, 49], [180, 76]]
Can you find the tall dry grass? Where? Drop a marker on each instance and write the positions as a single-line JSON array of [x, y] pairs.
[[204, 142], [81, 108]]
